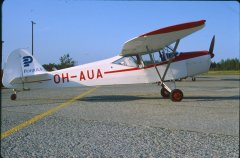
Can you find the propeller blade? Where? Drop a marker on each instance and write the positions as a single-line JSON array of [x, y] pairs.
[[211, 48]]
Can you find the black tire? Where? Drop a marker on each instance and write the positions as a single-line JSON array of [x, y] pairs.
[[176, 95], [13, 96], [193, 78], [165, 93]]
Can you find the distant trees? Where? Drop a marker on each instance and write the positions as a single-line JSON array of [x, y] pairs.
[[227, 64], [65, 62], [50, 66]]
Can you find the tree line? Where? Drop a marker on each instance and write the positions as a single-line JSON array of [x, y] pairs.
[[227, 64], [65, 62]]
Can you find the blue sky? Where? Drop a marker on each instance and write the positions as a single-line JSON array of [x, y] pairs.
[[95, 30]]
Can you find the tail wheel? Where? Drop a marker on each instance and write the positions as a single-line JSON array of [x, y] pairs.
[[13, 96], [176, 95], [165, 93]]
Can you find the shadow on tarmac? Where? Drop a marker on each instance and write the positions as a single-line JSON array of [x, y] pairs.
[[212, 98], [122, 98], [231, 79], [114, 98]]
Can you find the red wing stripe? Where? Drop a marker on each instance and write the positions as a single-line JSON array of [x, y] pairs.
[[175, 28]]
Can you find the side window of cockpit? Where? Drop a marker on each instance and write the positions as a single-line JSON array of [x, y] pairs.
[[127, 61], [146, 59], [169, 55], [162, 55], [156, 57]]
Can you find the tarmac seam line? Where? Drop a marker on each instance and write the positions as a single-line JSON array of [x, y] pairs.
[[40, 116]]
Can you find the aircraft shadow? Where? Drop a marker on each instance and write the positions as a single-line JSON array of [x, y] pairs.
[[213, 79], [203, 77], [122, 98], [125, 98], [212, 98], [231, 79], [115, 98]]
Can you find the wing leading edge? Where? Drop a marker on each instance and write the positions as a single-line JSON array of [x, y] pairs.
[[156, 40]]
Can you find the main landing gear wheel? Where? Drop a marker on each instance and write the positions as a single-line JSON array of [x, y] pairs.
[[165, 94], [14, 96], [193, 78], [176, 95]]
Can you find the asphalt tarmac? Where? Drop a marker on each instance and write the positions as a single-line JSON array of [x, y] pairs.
[[124, 121]]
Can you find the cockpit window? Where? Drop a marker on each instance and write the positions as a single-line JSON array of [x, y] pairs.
[[156, 57], [166, 53], [127, 61], [146, 59]]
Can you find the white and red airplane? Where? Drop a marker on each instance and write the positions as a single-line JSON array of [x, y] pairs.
[[148, 58]]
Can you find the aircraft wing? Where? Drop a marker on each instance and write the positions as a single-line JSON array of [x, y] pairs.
[[158, 39]]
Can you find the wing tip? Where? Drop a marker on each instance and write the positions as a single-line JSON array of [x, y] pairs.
[[174, 28]]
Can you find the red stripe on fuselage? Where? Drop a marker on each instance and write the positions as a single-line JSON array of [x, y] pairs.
[[175, 28], [182, 56], [122, 70]]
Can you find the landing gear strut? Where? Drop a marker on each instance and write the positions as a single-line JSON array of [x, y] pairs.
[[175, 95], [14, 95], [164, 92]]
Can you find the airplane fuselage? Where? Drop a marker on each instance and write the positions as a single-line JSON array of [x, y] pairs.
[[106, 72]]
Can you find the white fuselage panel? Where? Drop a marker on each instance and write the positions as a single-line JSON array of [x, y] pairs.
[[106, 73]]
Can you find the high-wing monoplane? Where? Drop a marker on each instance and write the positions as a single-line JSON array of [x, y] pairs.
[[149, 58]]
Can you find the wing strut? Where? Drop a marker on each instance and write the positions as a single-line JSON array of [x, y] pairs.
[[155, 65], [171, 59], [175, 94]]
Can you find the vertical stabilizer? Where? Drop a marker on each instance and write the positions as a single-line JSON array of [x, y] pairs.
[[20, 63]]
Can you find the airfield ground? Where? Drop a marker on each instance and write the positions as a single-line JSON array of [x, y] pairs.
[[124, 121]]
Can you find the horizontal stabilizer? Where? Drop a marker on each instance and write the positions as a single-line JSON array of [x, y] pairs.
[[31, 79]]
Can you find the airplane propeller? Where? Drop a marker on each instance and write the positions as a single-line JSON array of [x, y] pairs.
[[212, 47]]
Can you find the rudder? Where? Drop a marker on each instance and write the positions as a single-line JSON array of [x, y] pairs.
[[20, 63]]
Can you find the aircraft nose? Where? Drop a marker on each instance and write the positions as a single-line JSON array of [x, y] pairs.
[[212, 55]]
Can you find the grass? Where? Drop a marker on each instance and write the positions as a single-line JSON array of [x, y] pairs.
[[223, 72]]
